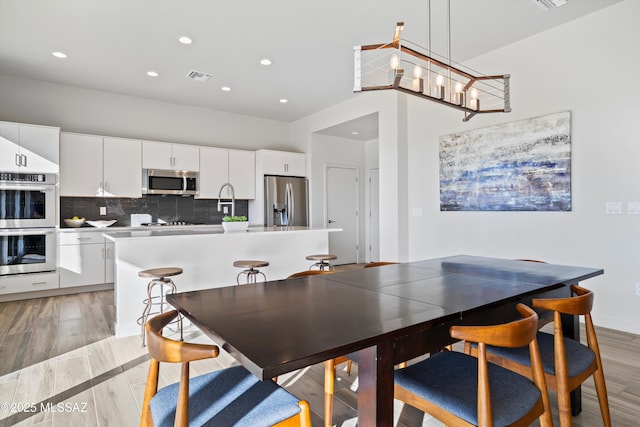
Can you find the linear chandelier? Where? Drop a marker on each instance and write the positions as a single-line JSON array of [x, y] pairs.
[[383, 67]]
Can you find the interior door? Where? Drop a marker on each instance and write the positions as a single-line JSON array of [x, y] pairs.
[[374, 216], [342, 212]]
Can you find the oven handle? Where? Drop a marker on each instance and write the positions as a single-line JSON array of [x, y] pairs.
[[25, 231], [27, 187]]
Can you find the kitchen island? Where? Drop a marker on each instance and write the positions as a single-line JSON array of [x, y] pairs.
[[206, 255]]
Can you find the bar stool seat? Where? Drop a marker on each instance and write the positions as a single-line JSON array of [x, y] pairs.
[[322, 263], [250, 270], [160, 277]]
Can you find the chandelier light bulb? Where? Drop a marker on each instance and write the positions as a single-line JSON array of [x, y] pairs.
[[394, 62], [439, 80], [417, 72], [474, 93], [459, 87]]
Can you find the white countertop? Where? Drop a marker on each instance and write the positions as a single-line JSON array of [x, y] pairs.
[[169, 231]]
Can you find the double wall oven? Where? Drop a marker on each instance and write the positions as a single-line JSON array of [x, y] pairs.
[[27, 223]]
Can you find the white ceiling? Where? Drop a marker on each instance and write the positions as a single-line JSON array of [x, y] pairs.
[[111, 44]]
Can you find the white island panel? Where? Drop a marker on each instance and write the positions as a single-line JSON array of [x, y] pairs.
[[206, 257]]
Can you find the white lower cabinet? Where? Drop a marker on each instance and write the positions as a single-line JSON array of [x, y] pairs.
[[85, 259], [18, 283]]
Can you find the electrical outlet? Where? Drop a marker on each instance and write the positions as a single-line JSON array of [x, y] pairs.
[[638, 289], [103, 210], [225, 209]]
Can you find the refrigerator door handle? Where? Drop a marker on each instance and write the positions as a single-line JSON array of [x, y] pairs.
[[290, 203]]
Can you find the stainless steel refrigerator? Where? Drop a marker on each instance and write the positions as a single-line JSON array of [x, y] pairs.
[[286, 201]]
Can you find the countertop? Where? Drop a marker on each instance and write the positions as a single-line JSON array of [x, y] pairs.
[[145, 232]]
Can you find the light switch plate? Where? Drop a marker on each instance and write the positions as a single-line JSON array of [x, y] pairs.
[[613, 208], [103, 210], [633, 208]]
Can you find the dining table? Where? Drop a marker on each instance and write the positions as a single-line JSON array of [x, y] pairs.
[[389, 314]]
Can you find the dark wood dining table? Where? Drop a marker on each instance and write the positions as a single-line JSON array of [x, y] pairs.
[[387, 314]]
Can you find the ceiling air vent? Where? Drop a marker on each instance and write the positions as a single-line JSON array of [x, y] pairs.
[[198, 76], [549, 4]]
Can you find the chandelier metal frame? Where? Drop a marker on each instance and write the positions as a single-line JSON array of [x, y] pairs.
[[382, 67]]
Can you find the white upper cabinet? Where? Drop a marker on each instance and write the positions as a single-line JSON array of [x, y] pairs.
[[167, 156], [122, 173], [94, 166], [29, 148], [219, 166], [282, 163], [242, 173]]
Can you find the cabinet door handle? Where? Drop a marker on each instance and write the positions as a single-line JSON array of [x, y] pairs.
[[84, 238], [38, 283]]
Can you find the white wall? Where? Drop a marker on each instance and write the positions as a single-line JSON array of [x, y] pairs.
[[588, 67], [392, 244], [88, 111], [334, 151]]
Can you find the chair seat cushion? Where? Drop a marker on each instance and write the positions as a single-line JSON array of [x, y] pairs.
[[579, 356], [228, 397], [450, 381]]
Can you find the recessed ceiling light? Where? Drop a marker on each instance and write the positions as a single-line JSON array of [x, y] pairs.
[[225, 89], [355, 132], [265, 61], [152, 73], [284, 100], [59, 54], [185, 40]]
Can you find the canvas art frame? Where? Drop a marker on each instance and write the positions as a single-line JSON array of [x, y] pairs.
[[523, 165]]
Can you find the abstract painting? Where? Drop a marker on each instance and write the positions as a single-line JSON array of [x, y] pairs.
[[518, 166]]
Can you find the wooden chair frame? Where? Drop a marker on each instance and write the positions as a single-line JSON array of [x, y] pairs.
[[514, 334], [162, 349], [561, 383]]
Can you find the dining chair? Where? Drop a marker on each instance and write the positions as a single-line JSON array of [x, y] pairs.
[[462, 390], [227, 397], [378, 264], [309, 273], [567, 363]]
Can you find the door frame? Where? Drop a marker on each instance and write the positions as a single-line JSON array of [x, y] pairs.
[[369, 209], [326, 200]]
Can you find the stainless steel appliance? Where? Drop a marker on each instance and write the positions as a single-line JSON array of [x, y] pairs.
[[27, 200], [27, 250], [286, 201], [158, 181]]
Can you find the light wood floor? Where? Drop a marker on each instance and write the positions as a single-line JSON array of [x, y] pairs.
[[60, 353]]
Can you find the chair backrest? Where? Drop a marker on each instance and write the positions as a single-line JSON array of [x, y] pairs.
[[378, 264], [514, 334], [309, 273], [163, 349], [579, 305]]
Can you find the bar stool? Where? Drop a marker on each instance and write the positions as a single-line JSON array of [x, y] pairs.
[[251, 270], [159, 277], [322, 263]]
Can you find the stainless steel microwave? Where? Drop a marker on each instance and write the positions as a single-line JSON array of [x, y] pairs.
[[157, 181]]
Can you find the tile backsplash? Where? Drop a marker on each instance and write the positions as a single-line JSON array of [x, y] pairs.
[[166, 207]]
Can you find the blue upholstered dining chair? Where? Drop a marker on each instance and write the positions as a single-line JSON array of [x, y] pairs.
[[566, 362], [227, 397], [462, 390]]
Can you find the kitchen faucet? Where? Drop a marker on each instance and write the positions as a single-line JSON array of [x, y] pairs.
[[233, 199]]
